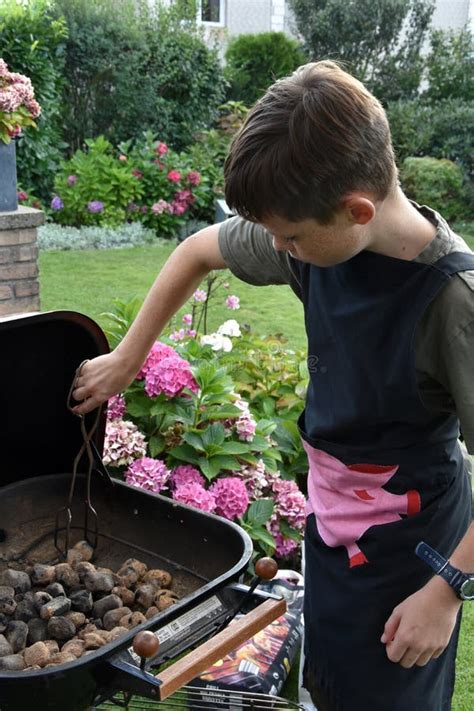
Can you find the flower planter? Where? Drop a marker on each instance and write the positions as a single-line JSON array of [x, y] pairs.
[[8, 190]]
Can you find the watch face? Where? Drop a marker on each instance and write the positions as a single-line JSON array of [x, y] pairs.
[[467, 589]]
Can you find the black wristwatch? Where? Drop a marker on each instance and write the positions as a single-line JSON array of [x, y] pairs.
[[462, 583]]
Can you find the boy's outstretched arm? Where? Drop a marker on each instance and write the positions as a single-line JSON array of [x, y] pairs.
[[187, 266]]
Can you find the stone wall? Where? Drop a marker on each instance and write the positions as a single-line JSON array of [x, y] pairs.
[[19, 286]]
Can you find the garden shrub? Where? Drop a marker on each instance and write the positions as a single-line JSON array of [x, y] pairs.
[[140, 181], [56, 237], [131, 68], [435, 182], [32, 42], [254, 61], [94, 187], [441, 130]]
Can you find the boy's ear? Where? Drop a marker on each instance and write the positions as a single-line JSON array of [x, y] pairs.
[[359, 209]]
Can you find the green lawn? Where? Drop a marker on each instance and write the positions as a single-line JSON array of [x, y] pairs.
[[89, 281]]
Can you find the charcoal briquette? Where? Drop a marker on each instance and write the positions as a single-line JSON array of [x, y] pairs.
[[17, 634], [55, 590], [82, 601], [61, 628], [17, 579], [55, 608], [37, 630]]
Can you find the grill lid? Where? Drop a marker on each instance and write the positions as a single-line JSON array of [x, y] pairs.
[[39, 355]]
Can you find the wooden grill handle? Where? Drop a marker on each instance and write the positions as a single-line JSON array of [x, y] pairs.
[[200, 659]]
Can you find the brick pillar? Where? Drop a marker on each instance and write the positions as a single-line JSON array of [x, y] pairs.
[[19, 287]]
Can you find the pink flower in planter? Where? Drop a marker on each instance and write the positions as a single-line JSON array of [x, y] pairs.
[[174, 176], [290, 503], [72, 180], [187, 319], [116, 407], [195, 495], [123, 443], [158, 351], [231, 497], [22, 196], [137, 174], [186, 474], [161, 148], [147, 473], [178, 208], [170, 376], [178, 335], [245, 427]]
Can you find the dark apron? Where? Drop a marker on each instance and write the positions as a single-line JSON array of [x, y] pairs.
[[384, 474]]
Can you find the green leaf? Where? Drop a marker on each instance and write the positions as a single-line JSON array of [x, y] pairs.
[[195, 440], [260, 511], [288, 531], [156, 445], [214, 435], [261, 534], [223, 462], [185, 453], [236, 447], [139, 405]]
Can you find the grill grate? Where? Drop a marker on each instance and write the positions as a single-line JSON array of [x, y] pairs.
[[190, 697]]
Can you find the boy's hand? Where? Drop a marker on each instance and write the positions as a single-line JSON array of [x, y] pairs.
[[419, 629], [99, 379]]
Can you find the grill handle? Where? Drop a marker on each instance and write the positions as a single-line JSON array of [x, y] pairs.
[[132, 679]]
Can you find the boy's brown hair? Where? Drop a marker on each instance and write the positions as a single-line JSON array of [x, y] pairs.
[[314, 137]]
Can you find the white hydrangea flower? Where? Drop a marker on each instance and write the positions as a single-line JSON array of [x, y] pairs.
[[229, 328], [217, 342]]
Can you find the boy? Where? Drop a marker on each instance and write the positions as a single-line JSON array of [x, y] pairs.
[[387, 290]]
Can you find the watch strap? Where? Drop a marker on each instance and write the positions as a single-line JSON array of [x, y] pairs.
[[442, 567]]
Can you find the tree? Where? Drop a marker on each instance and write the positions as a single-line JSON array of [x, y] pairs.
[[379, 41], [450, 66]]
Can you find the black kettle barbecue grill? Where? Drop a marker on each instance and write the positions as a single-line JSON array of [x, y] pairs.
[[205, 554]]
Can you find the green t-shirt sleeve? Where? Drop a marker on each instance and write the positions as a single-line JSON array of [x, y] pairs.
[[445, 347], [247, 249]]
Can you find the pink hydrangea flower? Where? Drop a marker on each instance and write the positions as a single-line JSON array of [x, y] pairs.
[[22, 196], [188, 319], [193, 177], [200, 295], [231, 497], [157, 352], [116, 407], [72, 180], [147, 473], [178, 208], [186, 474], [232, 302], [170, 376], [161, 148], [195, 495], [123, 443], [159, 207], [174, 176], [283, 546], [245, 428], [255, 479], [290, 503]]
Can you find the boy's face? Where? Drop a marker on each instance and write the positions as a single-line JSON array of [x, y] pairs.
[[314, 243]]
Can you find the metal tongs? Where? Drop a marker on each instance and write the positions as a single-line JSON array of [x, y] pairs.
[[91, 529]]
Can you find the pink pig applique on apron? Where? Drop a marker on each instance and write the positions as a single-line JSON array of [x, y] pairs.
[[348, 499]]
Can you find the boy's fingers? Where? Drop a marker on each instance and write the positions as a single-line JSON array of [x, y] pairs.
[[391, 627]]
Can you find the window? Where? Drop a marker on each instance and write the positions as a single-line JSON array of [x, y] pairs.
[[212, 11]]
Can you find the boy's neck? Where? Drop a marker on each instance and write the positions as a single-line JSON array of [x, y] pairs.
[[398, 230]]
